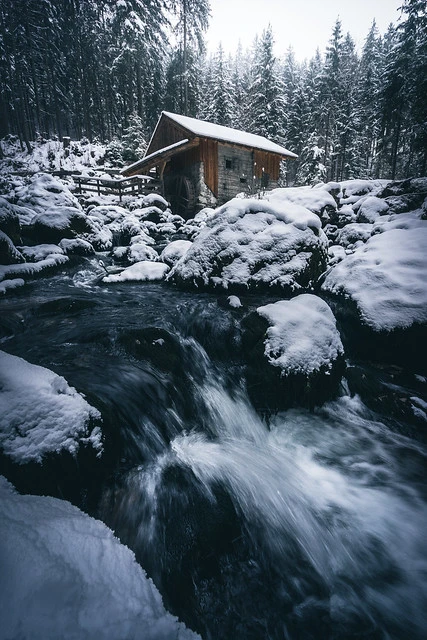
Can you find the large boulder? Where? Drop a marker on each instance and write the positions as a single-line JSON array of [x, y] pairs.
[[294, 352], [41, 414], [253, 244], [380, 292], [57, 223], [43, 192]]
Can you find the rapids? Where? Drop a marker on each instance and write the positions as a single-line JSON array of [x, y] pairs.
[[253, 525]]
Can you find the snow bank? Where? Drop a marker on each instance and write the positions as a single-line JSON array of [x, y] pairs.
[[251, 243], [140, 272], [50, 155], [40, 413], [387, 277], [64, 575], [303, 337]]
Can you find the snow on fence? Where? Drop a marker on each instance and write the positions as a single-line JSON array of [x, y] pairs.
[[135, 185]]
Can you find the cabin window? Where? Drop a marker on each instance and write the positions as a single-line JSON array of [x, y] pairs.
[[228, 163], [243, 180]]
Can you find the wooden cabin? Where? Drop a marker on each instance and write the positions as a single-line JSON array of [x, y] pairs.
[[203, 164]]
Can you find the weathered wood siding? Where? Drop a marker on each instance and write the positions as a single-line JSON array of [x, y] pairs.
[[209, 157], [235, 170], [267, 161]]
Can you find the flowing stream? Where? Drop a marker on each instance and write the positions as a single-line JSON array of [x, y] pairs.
[[296, 525]]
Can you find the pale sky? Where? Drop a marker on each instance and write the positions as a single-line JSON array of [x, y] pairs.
[[303, 24]]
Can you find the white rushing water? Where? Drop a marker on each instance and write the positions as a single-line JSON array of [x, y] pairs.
[[336, 488]]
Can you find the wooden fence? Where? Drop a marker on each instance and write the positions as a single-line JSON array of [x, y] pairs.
[[135, 185]]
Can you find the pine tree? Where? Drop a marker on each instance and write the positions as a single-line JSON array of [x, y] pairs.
[[368, 119], [331, 97], [266, 90], [221, 103]]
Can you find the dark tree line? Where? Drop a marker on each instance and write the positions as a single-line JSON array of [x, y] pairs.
[[86, 67], [106, 68]]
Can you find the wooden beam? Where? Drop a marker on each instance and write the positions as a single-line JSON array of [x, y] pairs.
[[159, 159]]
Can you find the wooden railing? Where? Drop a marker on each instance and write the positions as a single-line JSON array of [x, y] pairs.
[[136, 185]]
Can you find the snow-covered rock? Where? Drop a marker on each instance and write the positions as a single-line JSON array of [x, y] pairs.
[[360, 187], [56, 223], [174, 251], [370, 209], [64, 575], [139, 251], [302, 336], [77, 246], [107, 213], [386, 278], [40, 252], [294, 352], [6, 285], [254, 243], [140, 272], [352, 233], [98, 235], [317, 200], [150, 200], [234, 302], [43, 192], [336, 253], [31, 269], [40, 413]]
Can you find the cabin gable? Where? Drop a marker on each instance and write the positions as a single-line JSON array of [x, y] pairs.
[[166, 133]]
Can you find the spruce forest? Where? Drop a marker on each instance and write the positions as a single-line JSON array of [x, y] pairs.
[[105, 69]]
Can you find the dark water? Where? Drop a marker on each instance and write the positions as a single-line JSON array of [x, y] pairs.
[[296, 525]]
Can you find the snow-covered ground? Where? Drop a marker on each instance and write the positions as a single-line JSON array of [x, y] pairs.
[[64, 575], [50, 155]]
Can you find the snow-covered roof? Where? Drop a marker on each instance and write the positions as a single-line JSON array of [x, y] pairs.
[[226, 134], [153, 156]]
